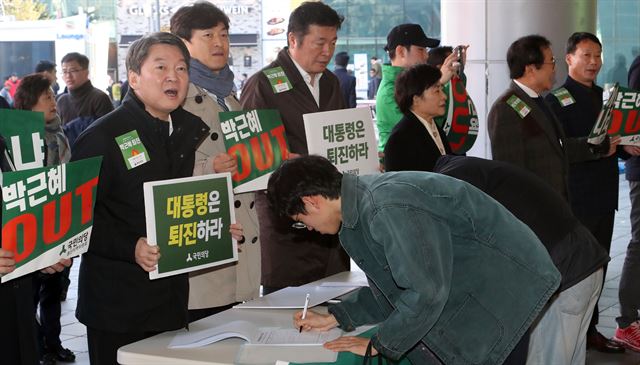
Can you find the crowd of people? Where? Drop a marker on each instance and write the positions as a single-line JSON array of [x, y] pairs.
[[462, 267]]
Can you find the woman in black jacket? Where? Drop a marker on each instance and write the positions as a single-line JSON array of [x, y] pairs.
[[417, 141]]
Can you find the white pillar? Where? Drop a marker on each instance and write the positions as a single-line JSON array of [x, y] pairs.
[[490, 26]]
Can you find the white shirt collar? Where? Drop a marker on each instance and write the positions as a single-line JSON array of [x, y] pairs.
[[432, 130], [305, 75], [527, 89], [315, 88], [170, 125]]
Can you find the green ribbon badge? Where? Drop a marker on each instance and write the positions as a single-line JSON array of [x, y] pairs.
[[563, 96], [278, 79], [519, 106], [133, 151]]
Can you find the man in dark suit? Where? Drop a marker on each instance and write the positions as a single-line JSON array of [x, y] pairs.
[[593, 173], [347, 82], [523, 129]]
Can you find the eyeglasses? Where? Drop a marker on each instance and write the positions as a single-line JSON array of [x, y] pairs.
[[299, 225], [553, 62], [73, 71]]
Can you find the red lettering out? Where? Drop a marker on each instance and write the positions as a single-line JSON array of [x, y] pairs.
[[632, 126], [616, 122], [29, 233], [49, 234], [263, 161], [459, 128], [278, 132], [242, 153], [85, 191]]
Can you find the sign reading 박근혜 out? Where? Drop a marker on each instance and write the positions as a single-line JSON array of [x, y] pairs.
[[47, 213], [257, 138], [620, 116], [345, 137], [189, 219]]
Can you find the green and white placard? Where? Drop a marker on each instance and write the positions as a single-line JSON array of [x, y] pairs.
[[345, 137], [47, 213], [189, 218]]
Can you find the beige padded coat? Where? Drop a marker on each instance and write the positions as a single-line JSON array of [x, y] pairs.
[[239, 281]]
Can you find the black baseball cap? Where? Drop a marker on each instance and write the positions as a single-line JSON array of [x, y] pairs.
[[409, 35]]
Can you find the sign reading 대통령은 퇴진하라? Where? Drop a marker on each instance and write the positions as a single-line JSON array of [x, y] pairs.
[[345, 137], [257, 139], [189, 219], [47, 213], [620, 116]]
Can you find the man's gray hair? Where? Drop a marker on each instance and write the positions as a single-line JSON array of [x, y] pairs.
[[139, 50]]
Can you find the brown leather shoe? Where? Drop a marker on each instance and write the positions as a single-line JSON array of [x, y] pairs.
[[600, 343]]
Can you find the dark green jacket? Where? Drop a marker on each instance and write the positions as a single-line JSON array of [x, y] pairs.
[[449, 268]]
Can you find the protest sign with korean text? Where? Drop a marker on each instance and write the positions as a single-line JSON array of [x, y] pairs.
[[189, 219], [47, 213], [23, 132], [460, 121], [257, 138], [620, 117], [601, 126], [345, 137]]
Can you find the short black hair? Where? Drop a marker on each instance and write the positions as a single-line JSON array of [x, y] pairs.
[[438, 55], [526, 51], [139, 50], [312, 13], [341, 59], [45, 65], [201, 15], [300, 177], [83, 61], [413, 82], [29, 91], [577, 37]]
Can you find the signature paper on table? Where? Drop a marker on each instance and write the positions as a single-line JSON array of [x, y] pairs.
[[293, 297]]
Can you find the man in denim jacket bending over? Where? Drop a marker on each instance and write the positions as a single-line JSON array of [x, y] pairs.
[[454, 277]]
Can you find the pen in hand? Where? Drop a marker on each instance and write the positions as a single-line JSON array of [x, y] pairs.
[[304, 310]]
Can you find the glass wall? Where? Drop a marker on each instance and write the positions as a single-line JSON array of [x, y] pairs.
[[367, 22], [619, 31], [23, 56]]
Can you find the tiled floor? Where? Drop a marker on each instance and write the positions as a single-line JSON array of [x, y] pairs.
[[74, 333]]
